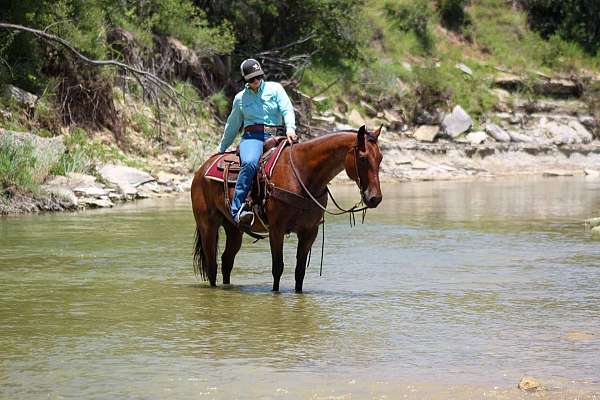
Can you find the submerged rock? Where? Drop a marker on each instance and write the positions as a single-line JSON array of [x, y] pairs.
[[529, 384]]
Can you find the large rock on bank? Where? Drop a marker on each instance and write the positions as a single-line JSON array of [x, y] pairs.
[[456, 122], [127, 179]]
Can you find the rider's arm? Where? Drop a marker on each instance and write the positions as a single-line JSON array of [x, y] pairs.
[[233, 125], [286, 108]]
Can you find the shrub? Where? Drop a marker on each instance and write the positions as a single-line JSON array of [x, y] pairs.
[[412, 17], [17, 164], [575, 20], [453, 15]]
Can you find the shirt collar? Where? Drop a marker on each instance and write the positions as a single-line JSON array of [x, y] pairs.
[[260, 88]]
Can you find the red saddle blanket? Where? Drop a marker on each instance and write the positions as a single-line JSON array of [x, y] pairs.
[[268, 160]]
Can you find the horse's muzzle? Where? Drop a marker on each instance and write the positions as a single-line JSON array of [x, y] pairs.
[[372, 201]]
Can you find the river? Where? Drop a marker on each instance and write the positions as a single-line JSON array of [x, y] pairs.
[[448, 290]]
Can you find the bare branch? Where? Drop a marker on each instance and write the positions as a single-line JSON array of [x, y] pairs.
[[163, 86]]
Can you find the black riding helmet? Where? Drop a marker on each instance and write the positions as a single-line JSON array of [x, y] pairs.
[[251, 68]]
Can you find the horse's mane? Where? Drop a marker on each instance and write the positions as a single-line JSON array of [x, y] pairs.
[[327, 135]]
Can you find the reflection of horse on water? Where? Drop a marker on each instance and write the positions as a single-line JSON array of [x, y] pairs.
[[301, 168]]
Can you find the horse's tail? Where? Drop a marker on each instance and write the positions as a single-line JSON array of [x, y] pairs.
[[199, 266]]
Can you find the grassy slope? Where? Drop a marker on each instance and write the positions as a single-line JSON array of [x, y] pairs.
[[497, 38]]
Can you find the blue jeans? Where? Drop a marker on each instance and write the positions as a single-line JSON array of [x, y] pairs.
[[251, 148]]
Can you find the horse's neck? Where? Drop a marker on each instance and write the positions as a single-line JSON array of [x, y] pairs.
[[323, 159]]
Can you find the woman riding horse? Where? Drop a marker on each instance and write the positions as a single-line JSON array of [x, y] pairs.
[[261, 108]]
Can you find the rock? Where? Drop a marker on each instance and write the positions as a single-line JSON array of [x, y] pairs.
[[529, 384], [464, 68], [426, 133], [369, 109], [499, 134], [556, 87], [320, 118], [558, 173], [476, 137], [519, 137], [420, 164], [355, 119], [508, 82], [501, 94], [591, 173], [62, 192], [593, 222], [580, 131], [394, 119], [562, 134], [588, 121], [406, 66], [126, 178], [578, 336], [339, 116], [97, 203], [457, 122], [424, 117], [90, 191], [166, 179], [22, 97]]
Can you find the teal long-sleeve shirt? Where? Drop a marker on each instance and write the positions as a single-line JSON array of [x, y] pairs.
[[270, 105]]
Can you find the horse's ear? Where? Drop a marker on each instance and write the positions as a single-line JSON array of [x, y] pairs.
[[377, 132], [362, 133]]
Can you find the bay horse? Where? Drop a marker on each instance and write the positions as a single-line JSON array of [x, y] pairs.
[[303, 167]]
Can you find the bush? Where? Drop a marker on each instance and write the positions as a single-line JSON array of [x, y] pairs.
[[453, 15], [575, 20], [412, 17], [17, 164]]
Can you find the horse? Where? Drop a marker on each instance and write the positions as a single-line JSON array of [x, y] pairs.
[[304, 169]]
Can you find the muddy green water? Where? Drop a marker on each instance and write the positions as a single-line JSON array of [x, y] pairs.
[[449, 290]]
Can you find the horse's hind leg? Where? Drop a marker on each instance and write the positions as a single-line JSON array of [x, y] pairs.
[[276, 241], [210, 236], [232, 246], [305, 241]]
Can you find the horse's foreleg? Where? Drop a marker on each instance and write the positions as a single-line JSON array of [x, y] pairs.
[[276, 241], [305, 242], [232, 246]]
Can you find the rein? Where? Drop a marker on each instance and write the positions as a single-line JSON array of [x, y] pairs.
[[355, 208]]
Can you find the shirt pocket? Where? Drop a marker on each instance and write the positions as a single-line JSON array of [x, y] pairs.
[[269, 101]]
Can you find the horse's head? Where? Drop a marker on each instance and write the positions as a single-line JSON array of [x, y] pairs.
[[362, 166]]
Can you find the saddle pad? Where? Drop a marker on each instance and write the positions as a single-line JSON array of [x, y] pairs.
[[215, 171]]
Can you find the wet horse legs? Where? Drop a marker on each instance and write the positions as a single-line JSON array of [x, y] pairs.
[[276, 241], [305, 242], [232, 246]]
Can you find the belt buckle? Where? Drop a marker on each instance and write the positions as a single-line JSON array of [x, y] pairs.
[[270, 130]]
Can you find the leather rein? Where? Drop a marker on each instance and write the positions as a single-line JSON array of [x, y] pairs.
[[356, 208]]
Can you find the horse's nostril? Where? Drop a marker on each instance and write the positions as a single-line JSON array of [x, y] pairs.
[[374, 201]]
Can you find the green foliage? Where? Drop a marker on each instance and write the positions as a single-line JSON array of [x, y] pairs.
[[220, 103], [575, 20], [412, 17], [17, 165], [259, 25], [453, 15]]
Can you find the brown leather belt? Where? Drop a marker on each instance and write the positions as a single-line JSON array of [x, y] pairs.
[[268, 129]]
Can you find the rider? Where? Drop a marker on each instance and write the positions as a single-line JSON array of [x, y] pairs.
[[262, 109]]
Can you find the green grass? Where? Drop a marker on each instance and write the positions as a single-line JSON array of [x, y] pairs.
[[18, 165]]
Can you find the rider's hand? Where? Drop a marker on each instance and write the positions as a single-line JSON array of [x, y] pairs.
[[291, 135]]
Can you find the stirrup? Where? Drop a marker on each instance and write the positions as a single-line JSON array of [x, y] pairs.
[[244, 217]]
